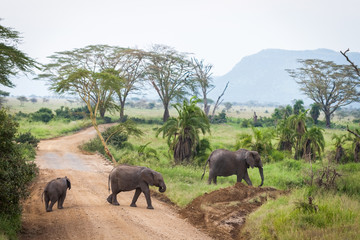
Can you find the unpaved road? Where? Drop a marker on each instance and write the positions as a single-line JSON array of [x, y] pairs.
[[86, 213]]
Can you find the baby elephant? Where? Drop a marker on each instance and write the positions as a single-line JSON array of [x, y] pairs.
[[127, 178], [54, 191]]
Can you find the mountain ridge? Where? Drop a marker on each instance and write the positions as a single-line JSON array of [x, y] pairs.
[[262, 77]]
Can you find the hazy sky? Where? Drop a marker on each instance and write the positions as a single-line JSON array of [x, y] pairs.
[[221, 32]]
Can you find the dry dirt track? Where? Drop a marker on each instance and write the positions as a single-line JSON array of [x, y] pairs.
[[86, 213]]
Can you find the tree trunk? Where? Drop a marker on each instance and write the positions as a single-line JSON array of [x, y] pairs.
[[166, 112], [122, 105], [102, 112], [339, 154], [356, 152], [328, 122]]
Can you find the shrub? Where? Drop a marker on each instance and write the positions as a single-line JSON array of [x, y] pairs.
[[27, 138], [16, 172], [43, 115]]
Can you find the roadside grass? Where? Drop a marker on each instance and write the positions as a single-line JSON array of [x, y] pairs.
[[54, 128], [9, 226], [337, 217]]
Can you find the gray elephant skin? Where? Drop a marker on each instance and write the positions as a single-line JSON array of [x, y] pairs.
[[223, 162], [55, 191], [127, 178]]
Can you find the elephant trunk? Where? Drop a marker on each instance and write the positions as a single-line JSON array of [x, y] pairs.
[[261, 171], [162, 188]]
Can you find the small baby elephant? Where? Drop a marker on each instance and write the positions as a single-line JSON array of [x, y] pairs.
[[54, 191]]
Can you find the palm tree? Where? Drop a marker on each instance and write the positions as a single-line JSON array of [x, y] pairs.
[[298, 124], [260, 141], [354, 137], [183, 132], [313, 143], [286, 135], [339, 142]]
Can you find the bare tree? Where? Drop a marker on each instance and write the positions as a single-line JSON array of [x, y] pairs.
[[219, 100], [202, 74]]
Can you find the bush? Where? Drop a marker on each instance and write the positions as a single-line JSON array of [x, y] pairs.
[[27, 138], [73, 113], [220, 118], [43, 115], [117, 140], [16, 172]]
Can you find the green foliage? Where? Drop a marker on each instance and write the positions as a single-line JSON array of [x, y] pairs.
[[16, 172], [219, 118], [259, 141], [12, 60], [27, 138], [73, 113], [115, 138], [43, 114], [183, 132]]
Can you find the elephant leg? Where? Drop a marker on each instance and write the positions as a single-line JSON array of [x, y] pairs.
[[53, 201], [135, 198], [215, 179], [47, 200], [247, 179], [113, 199], [61, 200], [146, 191]]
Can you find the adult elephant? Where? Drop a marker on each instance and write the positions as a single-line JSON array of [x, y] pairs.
[[127, 178], [223, 162], [55, 191]]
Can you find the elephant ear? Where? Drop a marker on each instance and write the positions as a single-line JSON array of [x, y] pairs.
[[68, 183], [250, 159], [148, 176]]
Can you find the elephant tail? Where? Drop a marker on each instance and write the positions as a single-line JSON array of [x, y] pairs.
[[205, 166], [109, 183]]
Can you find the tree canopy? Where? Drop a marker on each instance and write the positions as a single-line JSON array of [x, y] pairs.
[[328, 84], [12, 60], [169, 72]]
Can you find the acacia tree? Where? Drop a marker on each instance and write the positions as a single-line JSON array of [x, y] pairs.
[[12, 60], [83, 72], [327, 84], [202, 75], [169, 71], [129, 64]]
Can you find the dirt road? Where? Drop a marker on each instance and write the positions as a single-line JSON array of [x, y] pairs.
[[86, 213]]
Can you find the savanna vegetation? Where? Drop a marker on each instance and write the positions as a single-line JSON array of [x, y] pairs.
[[316, 160]]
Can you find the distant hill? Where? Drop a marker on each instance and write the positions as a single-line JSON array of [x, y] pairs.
[[261, 77]]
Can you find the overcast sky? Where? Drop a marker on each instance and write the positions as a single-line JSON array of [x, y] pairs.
[[221, 32]]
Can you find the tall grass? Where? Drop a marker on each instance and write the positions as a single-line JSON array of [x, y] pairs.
[[337, 217], [54, 128]]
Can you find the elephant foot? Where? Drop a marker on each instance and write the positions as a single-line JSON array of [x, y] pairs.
[[133, 205], [150, 207], [49, 210], [60, 207], [109, 199]]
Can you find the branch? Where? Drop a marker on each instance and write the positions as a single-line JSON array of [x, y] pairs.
[[217, 102], [352, 64], [357, 135]]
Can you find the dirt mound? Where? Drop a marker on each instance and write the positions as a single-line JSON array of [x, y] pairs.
[[222, 213]]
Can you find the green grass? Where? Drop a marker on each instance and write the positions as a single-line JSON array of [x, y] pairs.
[[54, 128], [337, 217]]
